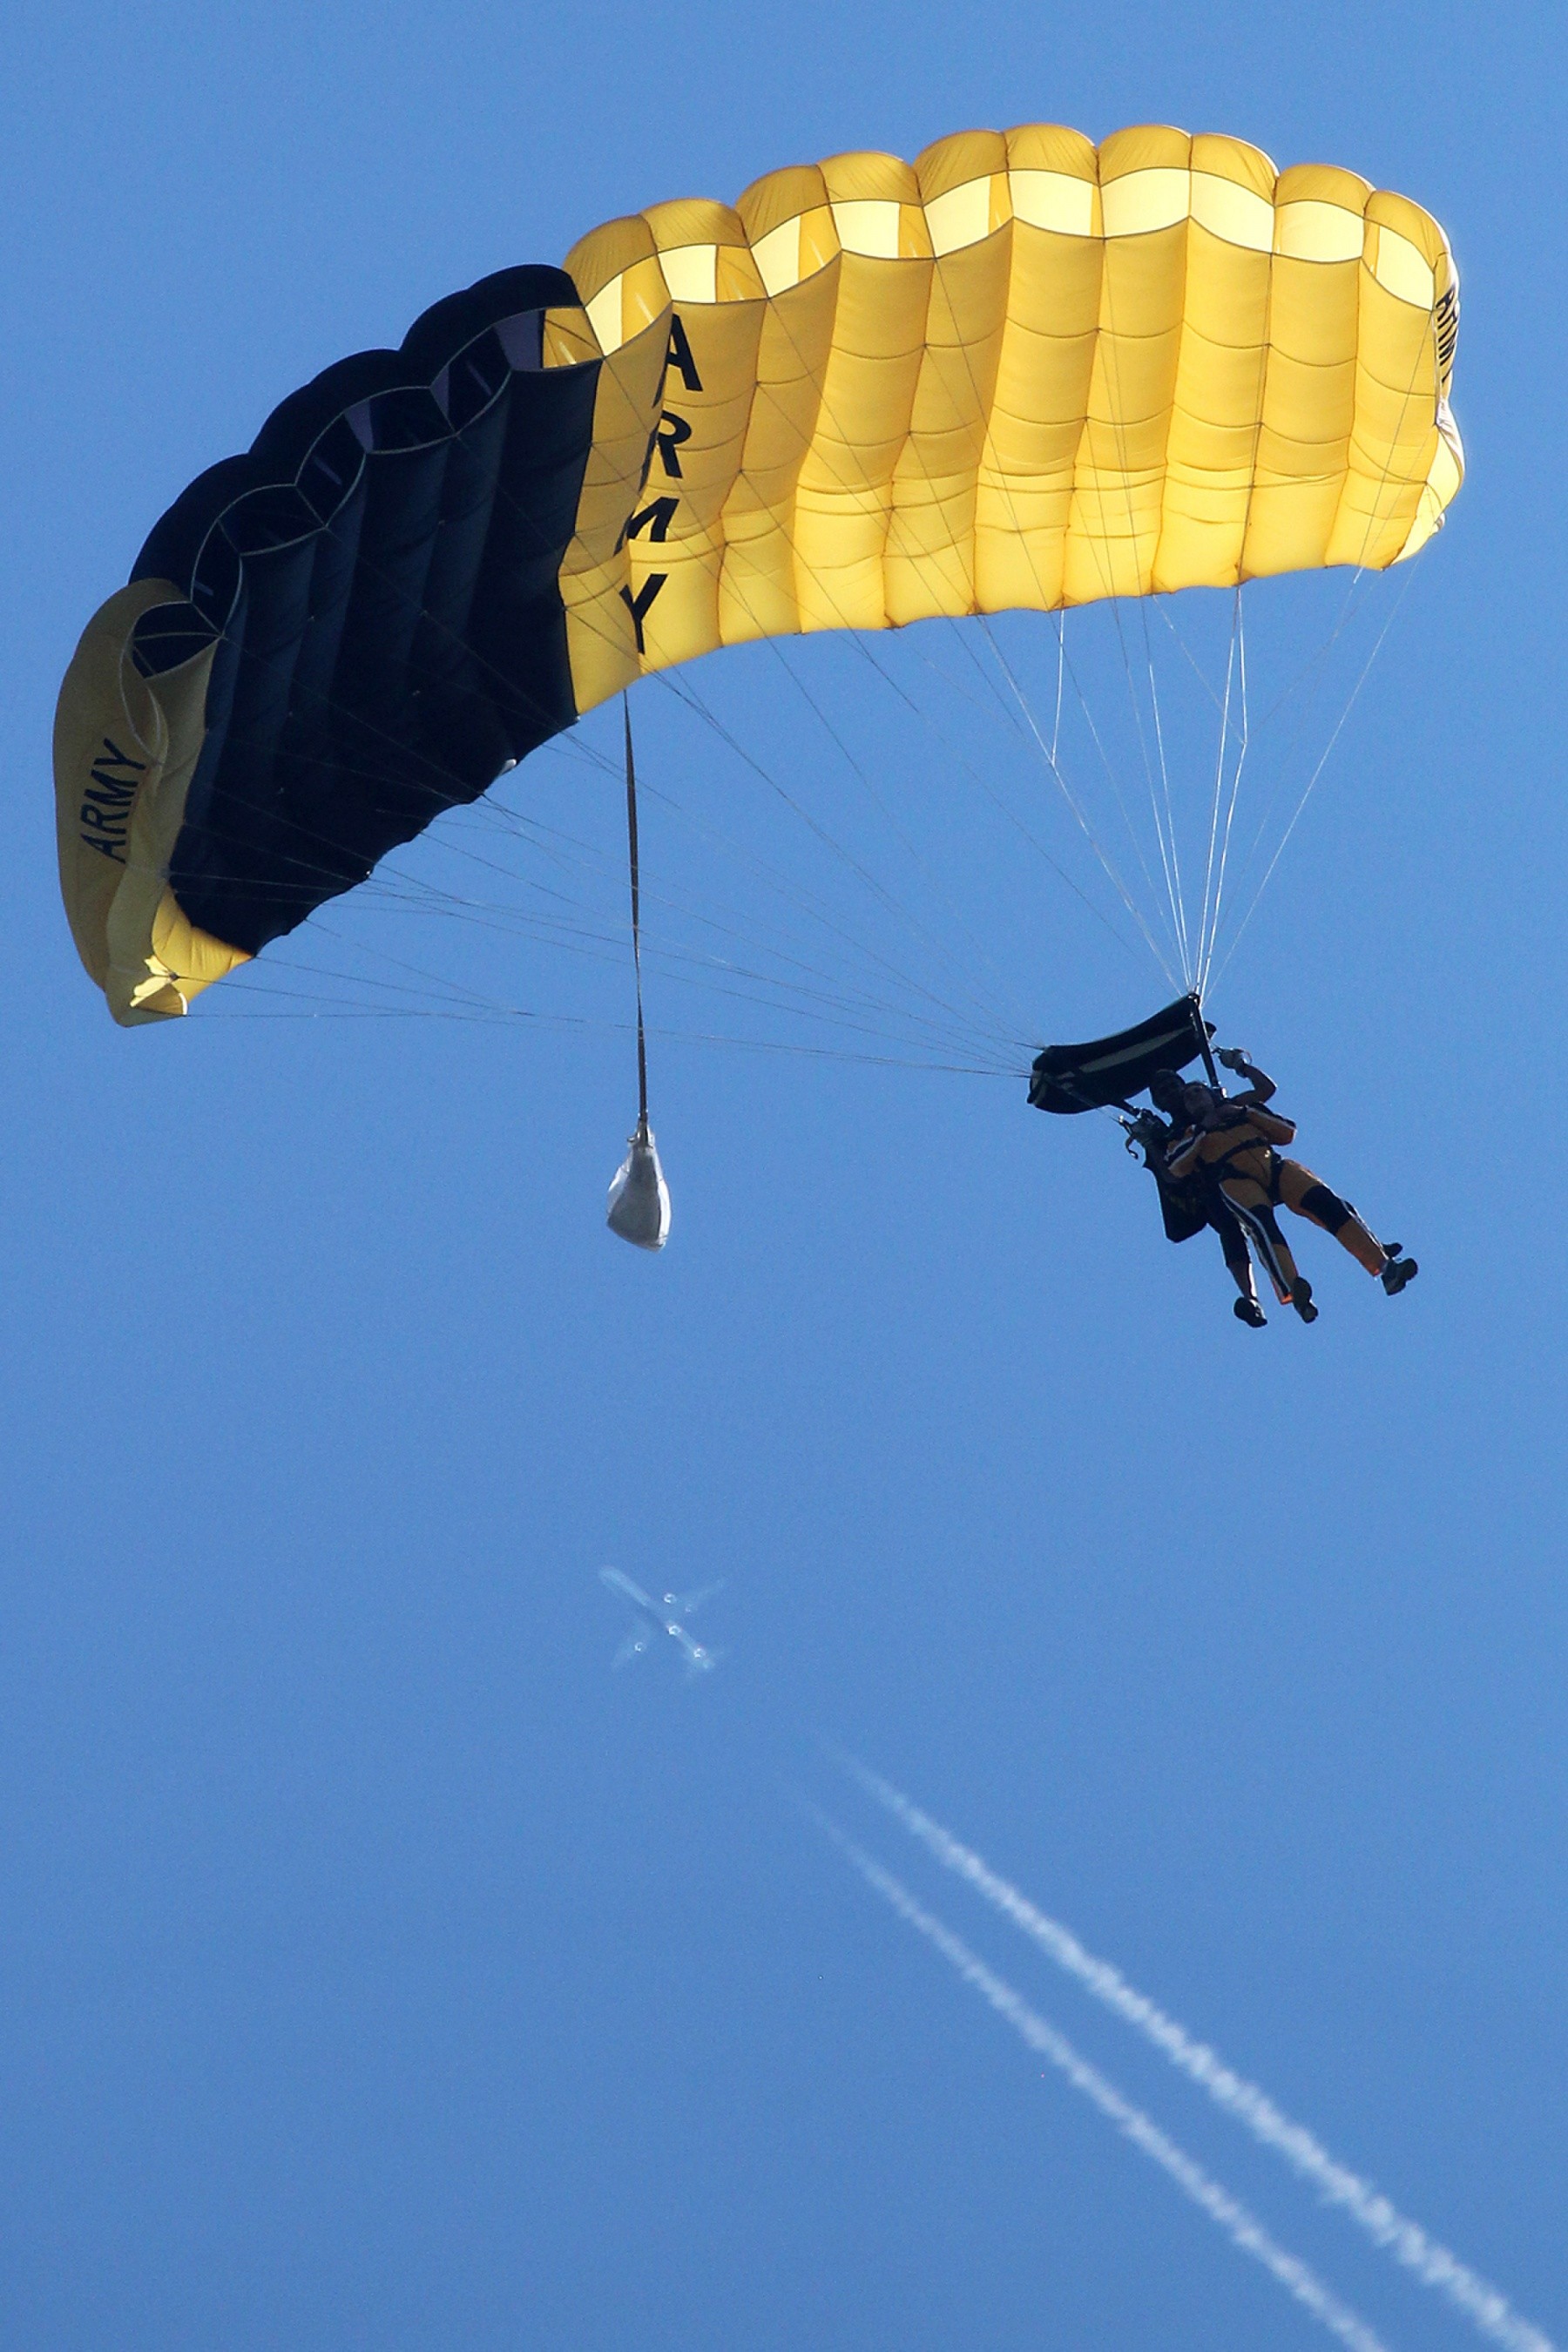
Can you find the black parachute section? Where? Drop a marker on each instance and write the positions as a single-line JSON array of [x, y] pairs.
[[380, 570], [1103, 1074]]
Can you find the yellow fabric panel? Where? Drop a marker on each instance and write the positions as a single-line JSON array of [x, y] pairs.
[[757, 591], [1145, 147], [125, 750], [1025, 490], [953, 162], [1211, 449], [1051, 147], [844, 491], [1025, 371], [778, 197], [929, 557], [1394, 437], [1245, 166]]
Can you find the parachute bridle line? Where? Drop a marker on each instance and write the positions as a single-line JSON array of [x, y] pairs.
[[634, 865]]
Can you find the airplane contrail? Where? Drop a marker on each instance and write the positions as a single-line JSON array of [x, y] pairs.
[[1242, 2227], [1432, 2263]]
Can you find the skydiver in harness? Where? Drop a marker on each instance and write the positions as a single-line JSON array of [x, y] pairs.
[[1231, 1140], [1188, 1204]]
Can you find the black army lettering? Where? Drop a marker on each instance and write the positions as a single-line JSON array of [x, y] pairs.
[[104, 818], [655, 518], [667, 436], [638, 605], [678, 355]]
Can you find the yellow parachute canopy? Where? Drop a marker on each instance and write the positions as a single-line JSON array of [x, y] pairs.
[[1022, 372]]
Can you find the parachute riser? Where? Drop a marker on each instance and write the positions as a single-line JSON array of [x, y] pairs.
[[1200, 1031]]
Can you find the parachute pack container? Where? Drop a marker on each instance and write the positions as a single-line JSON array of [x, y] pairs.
[[639, 1207]]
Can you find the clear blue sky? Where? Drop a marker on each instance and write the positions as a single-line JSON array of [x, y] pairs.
[[377, 1968]]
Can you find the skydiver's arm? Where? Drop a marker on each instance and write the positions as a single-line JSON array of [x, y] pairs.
[[1185, 1157], [1261, 1087]]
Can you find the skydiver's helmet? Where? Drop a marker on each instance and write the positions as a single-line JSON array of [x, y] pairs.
[[1168, 1092]]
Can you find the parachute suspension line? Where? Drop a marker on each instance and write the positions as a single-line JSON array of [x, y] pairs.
[[1235, 788], [1155, 950], [1315, 666], [990, 791], [1218, 789], [634, 867], [1178, 894], [1317, 771], [1164, 832], [995, 696], [499, 676], [990, 1011], [1173, 903], [992, 1006], [1236, 662], [1219, 837], [694, 702], [832, 993], [1052, 755], [1061, 667], [1111, 778], [925, 718], [1385, 478]]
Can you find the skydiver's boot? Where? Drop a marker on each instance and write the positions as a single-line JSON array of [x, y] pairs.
[[1248, 1310], [1301, 1299], [1398, 1271]]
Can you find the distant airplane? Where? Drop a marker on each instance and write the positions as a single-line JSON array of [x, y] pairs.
[[662, 1616]]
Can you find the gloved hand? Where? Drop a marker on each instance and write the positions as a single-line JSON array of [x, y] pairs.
[[1233, 1057]]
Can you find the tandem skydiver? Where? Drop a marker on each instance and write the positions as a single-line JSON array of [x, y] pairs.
[[1230, 1141], [1189, 1203]]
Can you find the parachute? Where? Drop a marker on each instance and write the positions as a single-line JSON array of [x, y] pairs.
[[1071, 1079], [638, 1206], [1023, 372]]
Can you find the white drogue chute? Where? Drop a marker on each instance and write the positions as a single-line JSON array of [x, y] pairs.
[[640, 1198]]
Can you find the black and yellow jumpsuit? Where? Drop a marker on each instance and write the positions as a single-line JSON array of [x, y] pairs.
[[1237, 1150]]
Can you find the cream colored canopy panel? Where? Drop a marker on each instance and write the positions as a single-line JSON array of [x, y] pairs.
[[1021, 372]]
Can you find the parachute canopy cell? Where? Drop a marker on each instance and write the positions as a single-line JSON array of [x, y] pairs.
[[1022, 372]]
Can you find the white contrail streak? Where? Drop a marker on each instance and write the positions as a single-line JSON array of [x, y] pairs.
[[1241, 2226], [1432, 2263]]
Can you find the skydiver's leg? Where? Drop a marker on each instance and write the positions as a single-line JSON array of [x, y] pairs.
[[1233, 1240], [1252, 1206], [1310, 1198]]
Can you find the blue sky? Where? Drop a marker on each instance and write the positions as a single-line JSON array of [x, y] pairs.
[[376, 1968]]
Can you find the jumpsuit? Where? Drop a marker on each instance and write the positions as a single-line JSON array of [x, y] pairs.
[[1238, 1152]]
